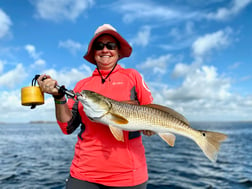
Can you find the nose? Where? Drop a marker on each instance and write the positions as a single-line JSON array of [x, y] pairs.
[[105, 48]]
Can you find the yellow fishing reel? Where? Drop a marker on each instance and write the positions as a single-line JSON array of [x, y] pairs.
[[32, 95]]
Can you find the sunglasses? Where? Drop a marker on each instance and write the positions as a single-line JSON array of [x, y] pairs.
[[109, 45]]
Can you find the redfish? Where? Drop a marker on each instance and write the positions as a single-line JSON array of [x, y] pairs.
[[164, 121]]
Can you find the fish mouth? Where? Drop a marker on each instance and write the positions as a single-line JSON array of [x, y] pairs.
[[80, 96]]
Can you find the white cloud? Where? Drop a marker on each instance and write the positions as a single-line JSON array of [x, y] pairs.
[[133, 10], [1, 66], [5, 24], [227, 12], [143, 36], [23, 114], [204, 95], [175, 33], [157, 65], [205, 44], [13, 77], [32, 51], [235, 65], [189, 28], [181, 70], [245, 78], [69, 77], [39, 62], [12, 99], [187, 31], [71, 46], [202, 83], [58, 10], [178, 41], [200, 92], [151, 10]]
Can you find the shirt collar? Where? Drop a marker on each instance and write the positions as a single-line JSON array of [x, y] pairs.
[[106, 72]]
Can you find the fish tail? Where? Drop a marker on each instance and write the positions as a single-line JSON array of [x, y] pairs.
[[209, 142]]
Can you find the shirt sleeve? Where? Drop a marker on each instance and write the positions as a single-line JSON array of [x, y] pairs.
[[143, 92], [70, 126]]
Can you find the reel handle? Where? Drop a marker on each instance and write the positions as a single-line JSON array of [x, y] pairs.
[[61, 89]]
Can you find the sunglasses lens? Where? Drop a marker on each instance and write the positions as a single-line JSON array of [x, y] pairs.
[[99, 46], [109, 45]]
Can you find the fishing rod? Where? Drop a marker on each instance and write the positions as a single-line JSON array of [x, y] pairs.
[[33, 96]]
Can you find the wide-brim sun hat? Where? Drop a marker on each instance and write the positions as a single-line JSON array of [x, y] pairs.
[[124, 50]]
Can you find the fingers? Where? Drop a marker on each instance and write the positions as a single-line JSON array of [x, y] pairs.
[[47, 84], [41, 79], [148, 132]]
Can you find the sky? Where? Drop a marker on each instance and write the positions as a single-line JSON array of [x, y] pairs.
[[194, 55]]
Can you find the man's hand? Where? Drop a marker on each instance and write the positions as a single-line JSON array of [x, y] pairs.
[[148, 132]]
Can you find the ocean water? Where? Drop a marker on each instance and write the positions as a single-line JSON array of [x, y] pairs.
[[38, 156]]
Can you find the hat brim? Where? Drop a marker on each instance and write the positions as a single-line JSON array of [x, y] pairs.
[[124, 51]]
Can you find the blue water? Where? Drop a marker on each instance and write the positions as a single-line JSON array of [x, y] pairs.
[[35, 156]]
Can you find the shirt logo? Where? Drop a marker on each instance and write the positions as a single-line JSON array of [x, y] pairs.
[[117, 83]]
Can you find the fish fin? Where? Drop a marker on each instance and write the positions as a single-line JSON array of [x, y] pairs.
[[209, 142], [118, 119], [169, 111], [117, 133], [169, 138], [130, 102]]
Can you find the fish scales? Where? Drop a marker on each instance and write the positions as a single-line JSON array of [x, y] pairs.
[[144, 115], [164, 121]]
